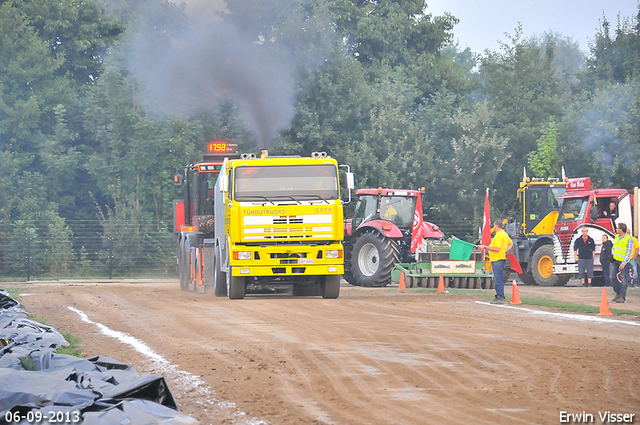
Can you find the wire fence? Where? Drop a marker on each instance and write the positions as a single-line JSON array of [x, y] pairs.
[[85, 249], [111, 248]]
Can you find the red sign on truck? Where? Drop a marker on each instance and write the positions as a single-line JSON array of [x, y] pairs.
[[583, 183]]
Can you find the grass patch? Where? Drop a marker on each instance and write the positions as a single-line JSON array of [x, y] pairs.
[[74, 348], [13, 293], [75, 344], [541, 302], [573, 307]]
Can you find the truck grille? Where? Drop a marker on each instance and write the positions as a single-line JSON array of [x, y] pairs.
[[287, 227]]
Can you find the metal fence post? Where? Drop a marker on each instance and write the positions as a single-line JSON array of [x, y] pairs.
[[111, 254], [28, 259]]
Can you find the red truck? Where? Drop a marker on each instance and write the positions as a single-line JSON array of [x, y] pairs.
[[585, 206]]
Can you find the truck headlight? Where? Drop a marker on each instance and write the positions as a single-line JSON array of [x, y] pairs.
[[335, 253], [242, 255]]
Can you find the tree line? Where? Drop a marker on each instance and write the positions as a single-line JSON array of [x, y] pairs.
[[101, 102]]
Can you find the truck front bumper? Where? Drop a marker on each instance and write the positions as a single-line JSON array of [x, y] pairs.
[[565, 268], [287, 260]]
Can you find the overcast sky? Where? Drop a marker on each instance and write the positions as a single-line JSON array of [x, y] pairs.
[[483, 23]]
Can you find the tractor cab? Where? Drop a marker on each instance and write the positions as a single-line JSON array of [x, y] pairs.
[[397, 207]]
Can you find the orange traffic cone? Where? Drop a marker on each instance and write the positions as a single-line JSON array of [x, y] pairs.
[[402, 285], [515, 297], [441, 284], [604, 305]]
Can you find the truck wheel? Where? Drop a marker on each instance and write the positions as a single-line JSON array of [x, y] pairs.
[[372, 259], [330, 287], [184, 265], [542, 268], [219, 281], [235, 286]]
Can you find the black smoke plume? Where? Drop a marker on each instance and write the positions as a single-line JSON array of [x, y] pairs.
[[186, 65]]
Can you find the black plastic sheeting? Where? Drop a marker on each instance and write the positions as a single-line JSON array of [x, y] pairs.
[[37, 385]]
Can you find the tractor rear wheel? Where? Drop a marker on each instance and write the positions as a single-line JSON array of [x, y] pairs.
[[542, 268], [348, 276], [373, 258]]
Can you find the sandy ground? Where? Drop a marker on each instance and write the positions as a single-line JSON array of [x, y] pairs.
[[372, 356]]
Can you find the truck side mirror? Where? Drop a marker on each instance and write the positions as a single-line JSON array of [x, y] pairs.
[[351, 182], [224, 183], [593, 213], [177, 180]]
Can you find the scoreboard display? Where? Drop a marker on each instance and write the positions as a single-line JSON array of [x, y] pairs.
[[220, 149]]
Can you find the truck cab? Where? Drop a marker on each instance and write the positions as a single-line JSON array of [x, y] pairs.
[[599, 210]]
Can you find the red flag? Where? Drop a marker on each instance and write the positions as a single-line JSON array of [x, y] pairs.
[[416, 227], [486, 222], [515, 264]]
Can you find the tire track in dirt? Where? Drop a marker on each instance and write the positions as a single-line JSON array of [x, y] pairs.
[[372, 356]]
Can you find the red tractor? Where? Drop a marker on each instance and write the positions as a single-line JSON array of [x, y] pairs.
[[386, 228]]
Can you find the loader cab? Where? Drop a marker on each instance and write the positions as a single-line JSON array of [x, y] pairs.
[[540, 205]]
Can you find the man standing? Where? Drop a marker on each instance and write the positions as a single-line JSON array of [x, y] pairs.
[[606, 256], [632, 261], [622, 250], [500, 244], [584, 248]]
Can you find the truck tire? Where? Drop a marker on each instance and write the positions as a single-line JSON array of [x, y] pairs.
[[373, 258], [236, 286], [184, 264], [219, 280], [183, 275], [330, 286], [542, 268]]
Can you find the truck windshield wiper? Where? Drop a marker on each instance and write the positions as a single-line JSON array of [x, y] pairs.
[[287, 196], [313, 195], [247, 197]]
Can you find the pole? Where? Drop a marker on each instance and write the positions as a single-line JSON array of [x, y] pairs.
[[28, 259], [111, 254]]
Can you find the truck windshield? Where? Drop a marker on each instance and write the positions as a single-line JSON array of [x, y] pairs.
[[573, 209], [286, 182], [206, 182]]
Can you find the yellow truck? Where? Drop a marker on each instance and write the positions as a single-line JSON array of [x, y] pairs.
[[278, 221]]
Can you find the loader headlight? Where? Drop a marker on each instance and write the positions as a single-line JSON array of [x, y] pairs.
[[336, 253], [242, 255]]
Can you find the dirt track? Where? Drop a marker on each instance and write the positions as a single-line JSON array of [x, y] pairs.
[[373, 356]]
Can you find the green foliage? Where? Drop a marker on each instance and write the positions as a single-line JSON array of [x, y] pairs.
[[543, 162], [614, 59], [378, 85], [59, 256], [129, 243], [74, 348]]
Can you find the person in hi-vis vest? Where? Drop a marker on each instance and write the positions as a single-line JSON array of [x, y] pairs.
[[622, 250]]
